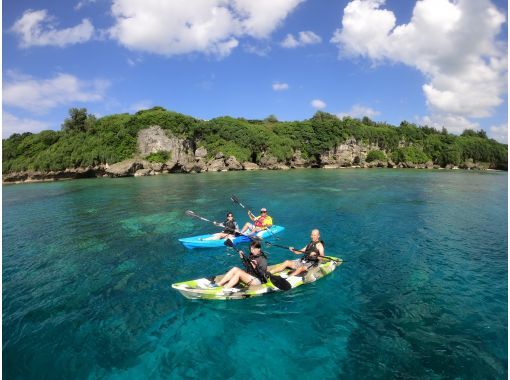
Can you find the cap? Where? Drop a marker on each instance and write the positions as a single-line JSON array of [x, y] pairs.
[[263, 209]]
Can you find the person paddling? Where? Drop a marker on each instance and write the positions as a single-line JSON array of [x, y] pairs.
[[230, 227], [255, 265], [312, 252], [260, 223]]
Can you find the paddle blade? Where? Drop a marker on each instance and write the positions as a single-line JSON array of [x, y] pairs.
[[236, 200], [190, 213], [280, 282], [331, 259], [229, 243]]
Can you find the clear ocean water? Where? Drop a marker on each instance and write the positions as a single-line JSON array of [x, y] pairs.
[[88, 264]]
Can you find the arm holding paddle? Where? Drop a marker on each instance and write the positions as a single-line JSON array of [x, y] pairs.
[[235, 274], [312, 253], [261, 222], [269, 244], [236, 232], [295, 251]]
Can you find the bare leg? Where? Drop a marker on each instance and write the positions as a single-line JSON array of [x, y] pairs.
[[246, 227], [245, 277], [233, 280], [282, 266], [227, 276], [238, 275], [298, 271]]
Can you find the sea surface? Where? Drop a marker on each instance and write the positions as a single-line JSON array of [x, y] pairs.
[[87, 267]]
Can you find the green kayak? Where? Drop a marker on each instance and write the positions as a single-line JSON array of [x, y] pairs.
[[203, 288]]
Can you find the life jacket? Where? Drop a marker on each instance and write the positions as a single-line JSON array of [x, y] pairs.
[[312, 248], [229, 226], [263, 221]]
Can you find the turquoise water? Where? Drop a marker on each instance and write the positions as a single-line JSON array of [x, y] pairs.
[[87, 268]]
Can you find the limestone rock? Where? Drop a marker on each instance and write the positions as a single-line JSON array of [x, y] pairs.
[[347, 154], [200, 166], [216, 165], [468, 164], [124, 168], [197, 166], [297, 161], [250, 166], [155, 139], [156, 166], [201, 152], [268, 161], [144, 172], [233, 164], [170, 166]]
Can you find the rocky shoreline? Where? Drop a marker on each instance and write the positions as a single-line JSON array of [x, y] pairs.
[[140, 168], [186, 159]]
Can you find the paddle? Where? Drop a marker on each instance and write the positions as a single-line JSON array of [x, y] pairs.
[[297, 250], [277, 281], [236, 200], [194, 215]]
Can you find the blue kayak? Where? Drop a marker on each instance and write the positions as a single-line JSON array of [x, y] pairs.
[[202, 242]]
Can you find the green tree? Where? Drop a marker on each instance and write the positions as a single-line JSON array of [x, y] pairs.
[[471, 133], [374, 155], [410, 154], [76, 121]]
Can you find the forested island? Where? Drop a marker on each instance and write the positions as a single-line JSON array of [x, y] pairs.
[[158, 141]]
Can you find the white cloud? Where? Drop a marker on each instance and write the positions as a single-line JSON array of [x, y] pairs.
[[41, 95], [290, 41], [206, 26], [82, 4], [304, 38], [453, 123], [359, 111], [13, 124], [261, 51], [318, 104], [134, 61], [454, 44], [277, 86], [37, 28], [499, 133]]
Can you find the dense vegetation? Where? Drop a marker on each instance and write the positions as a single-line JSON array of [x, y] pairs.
[[84, 140]]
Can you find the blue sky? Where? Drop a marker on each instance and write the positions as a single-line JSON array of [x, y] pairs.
[[433, 62]]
